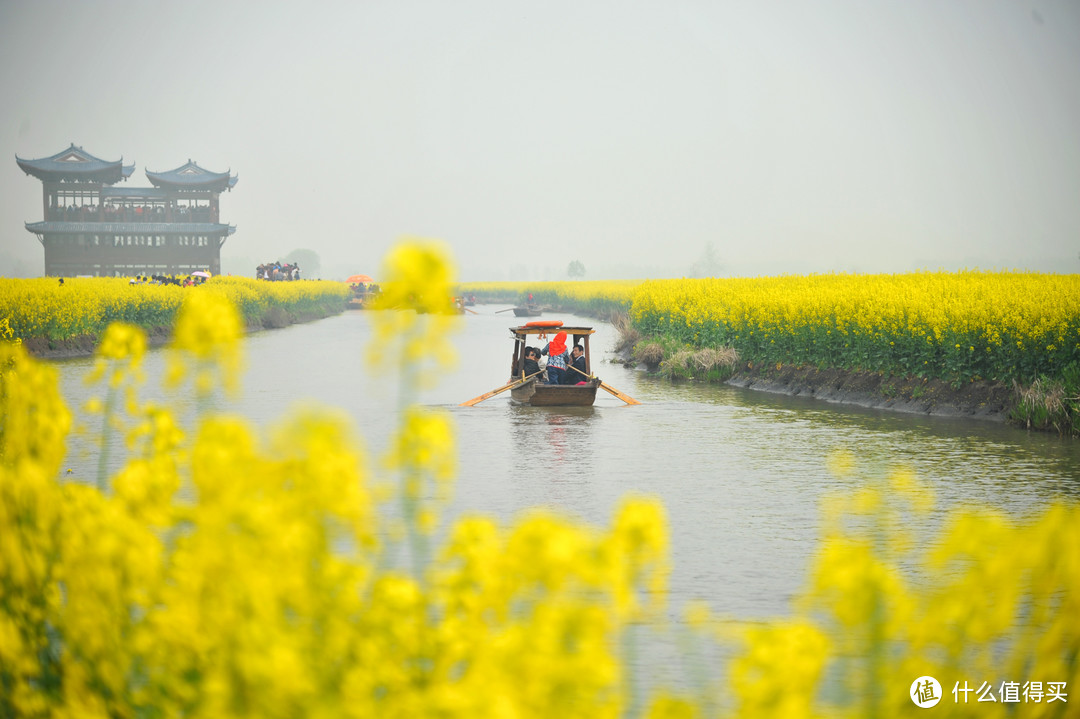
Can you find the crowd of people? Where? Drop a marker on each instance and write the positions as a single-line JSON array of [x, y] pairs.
[[277, 272], [364, 289], [131, 213], [184, 281], [563, 367]]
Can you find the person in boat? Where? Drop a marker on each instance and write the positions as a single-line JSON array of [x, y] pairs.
[[558, 358], [532, 361], [577, 359]]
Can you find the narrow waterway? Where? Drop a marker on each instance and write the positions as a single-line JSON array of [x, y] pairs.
[[740, 472]]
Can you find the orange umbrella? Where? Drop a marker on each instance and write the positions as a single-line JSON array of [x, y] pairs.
[[357, 279]]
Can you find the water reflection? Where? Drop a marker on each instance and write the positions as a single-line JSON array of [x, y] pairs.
[[556, 433]]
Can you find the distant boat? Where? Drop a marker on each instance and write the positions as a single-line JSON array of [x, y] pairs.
[[528, 311]]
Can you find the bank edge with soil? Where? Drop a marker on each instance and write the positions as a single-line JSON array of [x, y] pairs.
[[274, 317]]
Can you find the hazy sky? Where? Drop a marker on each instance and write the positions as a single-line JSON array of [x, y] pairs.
[[793, 136]]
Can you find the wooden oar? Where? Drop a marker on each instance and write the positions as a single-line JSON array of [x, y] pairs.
[[624, 397], [606, 387], [508, 309], [492, 393]]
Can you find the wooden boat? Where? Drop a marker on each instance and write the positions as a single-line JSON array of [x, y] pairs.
[[528, 311], [538, 394]]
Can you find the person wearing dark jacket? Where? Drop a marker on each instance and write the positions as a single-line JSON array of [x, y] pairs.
[[532, 361], [577, 359]]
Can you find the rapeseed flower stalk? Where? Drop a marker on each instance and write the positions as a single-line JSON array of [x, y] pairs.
[[7, 333], [33, 424], [208, 332], [119, 355], [778, 675], [412, 337]]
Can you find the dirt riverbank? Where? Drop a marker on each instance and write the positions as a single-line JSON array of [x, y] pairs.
[[982, 400], [84, 345]]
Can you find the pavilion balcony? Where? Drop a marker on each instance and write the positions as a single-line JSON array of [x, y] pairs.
[[128, 228], [87, 213]]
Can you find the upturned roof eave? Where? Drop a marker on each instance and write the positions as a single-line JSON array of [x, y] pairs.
[[190, 175], [91, 168]]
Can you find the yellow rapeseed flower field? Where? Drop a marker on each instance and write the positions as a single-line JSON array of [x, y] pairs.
[[955, 326], [43, 307], [951, 325]]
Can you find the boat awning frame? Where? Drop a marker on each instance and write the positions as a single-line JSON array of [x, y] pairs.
[[579, 331]]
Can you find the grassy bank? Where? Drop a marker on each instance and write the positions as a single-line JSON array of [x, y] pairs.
[[46, 314]]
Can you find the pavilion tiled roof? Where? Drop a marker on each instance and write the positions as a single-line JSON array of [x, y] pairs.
[[75, 164], [191, 176]]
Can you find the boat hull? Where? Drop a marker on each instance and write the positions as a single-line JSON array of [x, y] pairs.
[[528, 312], [538, 394]]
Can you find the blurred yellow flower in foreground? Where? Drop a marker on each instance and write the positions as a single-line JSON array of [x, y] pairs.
[[208, 329], [412, 330]]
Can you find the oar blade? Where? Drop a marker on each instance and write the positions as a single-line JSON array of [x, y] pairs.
[[486, 395], [492, 393], [624, 397]]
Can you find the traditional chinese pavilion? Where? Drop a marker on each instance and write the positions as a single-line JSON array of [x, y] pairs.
[[93, 228]]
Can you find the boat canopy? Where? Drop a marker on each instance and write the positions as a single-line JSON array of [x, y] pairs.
[[579, 331]]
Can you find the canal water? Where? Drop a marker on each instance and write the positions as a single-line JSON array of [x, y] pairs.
[[739, 472]]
